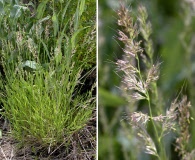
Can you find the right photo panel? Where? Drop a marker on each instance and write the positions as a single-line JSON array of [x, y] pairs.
[[146, 80]]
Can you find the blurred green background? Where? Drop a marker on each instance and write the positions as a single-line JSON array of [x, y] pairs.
[[173, 23]]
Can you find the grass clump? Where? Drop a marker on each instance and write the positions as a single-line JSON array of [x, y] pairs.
[[41, 108], [41, 71]]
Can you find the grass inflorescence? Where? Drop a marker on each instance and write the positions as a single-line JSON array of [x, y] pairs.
[[139, 86]]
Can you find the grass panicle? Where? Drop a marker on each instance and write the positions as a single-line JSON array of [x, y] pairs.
[[139, 81]]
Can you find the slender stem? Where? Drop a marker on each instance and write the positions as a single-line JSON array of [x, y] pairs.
[[147, 97], [138, 66], [158, 138], [161, 148], [151, 115]]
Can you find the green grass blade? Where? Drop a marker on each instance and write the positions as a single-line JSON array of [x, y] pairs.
[[65, 9], [55, 24], [46, 49], [41, 9], [81, 7], [73, 39]]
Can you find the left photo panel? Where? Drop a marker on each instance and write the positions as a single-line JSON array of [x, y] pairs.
[[48, 79]]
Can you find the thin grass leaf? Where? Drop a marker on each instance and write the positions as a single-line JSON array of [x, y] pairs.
[[81, 7], [65, 9], [41, 9], [55, 24], [44, 19], [76, 18], [46, 49], [74, 37]]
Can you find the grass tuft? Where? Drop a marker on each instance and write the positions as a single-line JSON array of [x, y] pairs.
[[42, 73]]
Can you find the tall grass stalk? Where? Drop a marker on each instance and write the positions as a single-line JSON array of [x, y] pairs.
[[139, 82]]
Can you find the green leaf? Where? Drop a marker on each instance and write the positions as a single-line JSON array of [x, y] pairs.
[[65, 9], [45, 47], [106, 98], [73, 39], [55, 24], [41, 9], [44, 19], [82, 7], [17, 11], [30, 64]]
